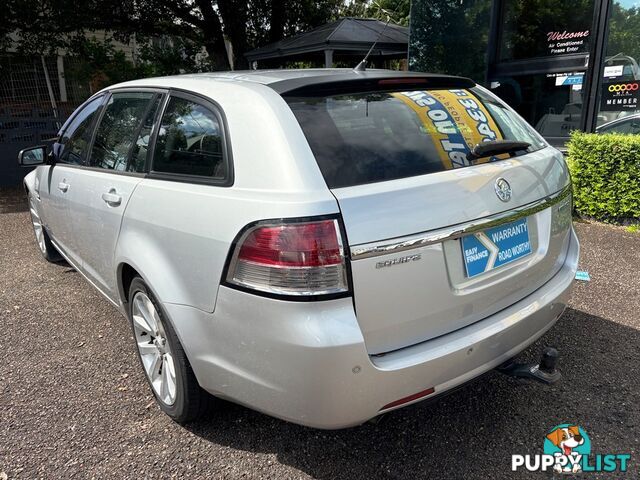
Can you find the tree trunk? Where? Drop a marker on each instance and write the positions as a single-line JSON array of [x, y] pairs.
[[234, 16], [278, 14], [212, 35], [218, 56]]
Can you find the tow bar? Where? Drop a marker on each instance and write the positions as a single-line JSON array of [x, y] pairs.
[[543, 372]]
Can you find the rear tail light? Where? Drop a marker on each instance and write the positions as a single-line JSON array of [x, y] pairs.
[[292, 258]]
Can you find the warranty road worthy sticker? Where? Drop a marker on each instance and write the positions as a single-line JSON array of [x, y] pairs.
[[495, 247]]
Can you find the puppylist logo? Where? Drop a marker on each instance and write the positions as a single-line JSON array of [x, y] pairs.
[[567, 449]]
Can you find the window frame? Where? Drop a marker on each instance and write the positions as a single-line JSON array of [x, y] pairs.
[[106, 94], [227, 158], [77, 111], [70, 120], [109, 93], [165, 94], [155, 94]]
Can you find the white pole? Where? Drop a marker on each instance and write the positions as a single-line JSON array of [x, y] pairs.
[[62, 83], [51, 97], [328, 58]]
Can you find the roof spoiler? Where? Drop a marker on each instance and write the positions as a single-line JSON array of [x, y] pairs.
[[369, 81]]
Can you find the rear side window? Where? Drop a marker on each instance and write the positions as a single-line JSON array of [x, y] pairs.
[[190, 141], [118, 129], [379, 136]]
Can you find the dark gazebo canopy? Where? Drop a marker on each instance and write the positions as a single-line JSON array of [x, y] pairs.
[[345, 37]]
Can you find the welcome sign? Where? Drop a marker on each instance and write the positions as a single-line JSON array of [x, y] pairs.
[[561, 43]]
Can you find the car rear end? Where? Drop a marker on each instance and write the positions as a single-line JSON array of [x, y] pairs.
[[436, 267]]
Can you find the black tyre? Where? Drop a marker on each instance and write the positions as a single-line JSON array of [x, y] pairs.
[[163, 359], [45, 246]]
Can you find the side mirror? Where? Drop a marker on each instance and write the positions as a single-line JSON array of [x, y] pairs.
[[30, 157]]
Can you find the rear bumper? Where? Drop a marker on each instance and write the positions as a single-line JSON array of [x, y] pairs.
[[307, 362]]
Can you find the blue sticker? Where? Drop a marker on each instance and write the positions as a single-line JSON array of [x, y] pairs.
[[572, 80], [495, 247], [584, 276]]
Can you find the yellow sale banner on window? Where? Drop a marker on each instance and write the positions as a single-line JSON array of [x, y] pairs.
[[456, 122]]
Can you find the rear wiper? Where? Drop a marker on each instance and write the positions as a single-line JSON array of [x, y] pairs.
[[496, 147]]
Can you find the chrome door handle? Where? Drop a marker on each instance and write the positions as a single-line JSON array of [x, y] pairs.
[[63, 187], [112, 198]]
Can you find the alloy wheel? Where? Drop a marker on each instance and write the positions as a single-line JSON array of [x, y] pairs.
[[154, 348]]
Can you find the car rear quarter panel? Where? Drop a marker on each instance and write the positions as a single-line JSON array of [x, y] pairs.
[[177, 234]]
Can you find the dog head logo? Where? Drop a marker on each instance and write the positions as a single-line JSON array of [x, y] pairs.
[[568, 443], [566, 439]]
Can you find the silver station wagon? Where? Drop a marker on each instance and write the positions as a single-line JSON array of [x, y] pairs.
[[320, 245]]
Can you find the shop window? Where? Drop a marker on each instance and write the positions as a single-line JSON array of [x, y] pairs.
[[450, 37], [544, 28], [552, 103], [620, 87]]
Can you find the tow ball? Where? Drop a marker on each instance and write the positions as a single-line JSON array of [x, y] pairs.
[[543, 372]]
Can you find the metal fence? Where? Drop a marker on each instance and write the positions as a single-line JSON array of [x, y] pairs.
[[36, 97]]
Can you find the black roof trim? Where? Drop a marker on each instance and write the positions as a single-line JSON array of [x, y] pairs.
[[353, 81]]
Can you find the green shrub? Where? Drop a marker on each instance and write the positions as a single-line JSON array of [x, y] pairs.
[[606, 175]]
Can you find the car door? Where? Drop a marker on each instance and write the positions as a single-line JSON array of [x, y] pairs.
[[115, 166], [56, 184]]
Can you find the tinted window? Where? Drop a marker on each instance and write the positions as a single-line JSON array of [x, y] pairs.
[[118, 129], [373, 137], [450, 36], [554, 109], [76, 137], [619, 93], [545, 28], [189, 141]]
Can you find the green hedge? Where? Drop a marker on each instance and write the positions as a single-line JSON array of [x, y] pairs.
[[606, 176]]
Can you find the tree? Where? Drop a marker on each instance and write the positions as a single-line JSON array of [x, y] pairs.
[[52, 24], [397, 11]]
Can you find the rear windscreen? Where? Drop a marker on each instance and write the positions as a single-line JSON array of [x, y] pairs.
[[377, 136]]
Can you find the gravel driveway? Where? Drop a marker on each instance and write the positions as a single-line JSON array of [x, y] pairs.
[[74, 403]]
